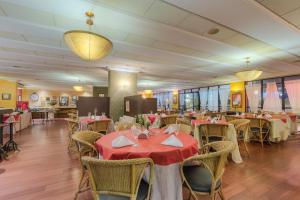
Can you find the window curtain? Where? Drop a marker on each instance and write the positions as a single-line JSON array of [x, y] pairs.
[[293, 90], [272, 100], [224, 92], [203, 98], [213, 98], [253, 96]]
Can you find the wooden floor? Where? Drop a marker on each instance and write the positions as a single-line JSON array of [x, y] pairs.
[[44, 169]]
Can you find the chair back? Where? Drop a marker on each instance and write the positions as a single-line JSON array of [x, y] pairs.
[[169, 119], [241, 126], [85, 142], [186, 128], [216, 130], [183, 121], [259, 123], [99, 125], [229, 118], [73, 125], [118, 177], [121, 126], [213, 161]]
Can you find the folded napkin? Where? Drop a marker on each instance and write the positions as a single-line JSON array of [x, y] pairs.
[[121, 141], [173, 128], [172, 141], [268, 116]]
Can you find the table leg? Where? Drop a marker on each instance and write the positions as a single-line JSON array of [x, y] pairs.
[[11, 144]]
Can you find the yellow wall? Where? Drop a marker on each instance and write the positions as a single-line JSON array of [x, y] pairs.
[[26, 93], [11, 88], [235, 88], [175, 96]]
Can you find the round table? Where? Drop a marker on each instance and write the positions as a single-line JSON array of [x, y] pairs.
[[167, 182]]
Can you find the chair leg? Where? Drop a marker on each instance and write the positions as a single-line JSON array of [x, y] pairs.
[[261, 140], [221, 194], [246, 147], [213, 196]]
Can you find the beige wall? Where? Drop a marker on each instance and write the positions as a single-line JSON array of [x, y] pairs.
[[26, 93], [8, 87], [120, 85]]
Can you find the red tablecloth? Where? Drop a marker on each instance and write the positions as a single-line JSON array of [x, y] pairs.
[[202, 122], [148, 148], [87, 120], [293, 116]]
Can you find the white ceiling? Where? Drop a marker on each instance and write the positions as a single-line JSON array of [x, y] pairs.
[[166, 41]]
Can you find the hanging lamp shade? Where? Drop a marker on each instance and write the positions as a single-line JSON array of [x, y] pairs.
[[86, 44], [78, 88], [248, 75]]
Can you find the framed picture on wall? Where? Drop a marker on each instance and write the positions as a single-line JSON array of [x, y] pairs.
[[236, 100], [6, 96], [63, 101], [74, 100], [175, 99]]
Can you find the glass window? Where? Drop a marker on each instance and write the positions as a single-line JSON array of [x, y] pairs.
[[189, 101]]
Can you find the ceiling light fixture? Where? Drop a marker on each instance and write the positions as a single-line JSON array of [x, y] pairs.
[[248, 75], [86, 44], [78, 88]]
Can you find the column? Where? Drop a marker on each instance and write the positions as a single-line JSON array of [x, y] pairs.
[[120, 85]]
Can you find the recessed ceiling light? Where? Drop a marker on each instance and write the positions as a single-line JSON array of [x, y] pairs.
[[213, 31]]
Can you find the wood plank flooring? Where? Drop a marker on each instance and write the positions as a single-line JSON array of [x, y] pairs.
[[44, 170]]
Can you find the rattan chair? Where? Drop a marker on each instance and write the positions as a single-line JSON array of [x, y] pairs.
[[204, 177], [169, 119], [260, 130], [242, 128], [119, 179], [229, 118], [214, 132], [85, 142], [100, 126], [73, 126]]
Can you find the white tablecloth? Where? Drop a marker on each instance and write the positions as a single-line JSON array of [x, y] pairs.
[[279, 130], [25, 121], [231, 136]]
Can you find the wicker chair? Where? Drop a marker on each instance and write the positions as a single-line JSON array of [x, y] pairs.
[[73, 126], [260, 130], [85, 141], [204, 177], [214, 132], [169, 119], [242, 128], [119, 179], [229, 118], [99, 126], [121, 126]]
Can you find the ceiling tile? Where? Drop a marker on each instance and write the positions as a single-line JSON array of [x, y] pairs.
[[69, 23], [112, 34], [22, 51], [139, 40], [293, 17], [2, 13], [27, 14], [133, 6], [43, 40], [166, 13], [9, 35], [238, 39], [196, 24], [281, 6], [173, 48]]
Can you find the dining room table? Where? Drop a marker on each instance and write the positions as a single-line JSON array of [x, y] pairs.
[[167, 181], [85, 120], [231, 135]]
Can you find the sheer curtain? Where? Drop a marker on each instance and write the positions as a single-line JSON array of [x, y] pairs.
[[272, 100], [293, 90], [203, 98], [253, 95], [224, 92], [213, 98]]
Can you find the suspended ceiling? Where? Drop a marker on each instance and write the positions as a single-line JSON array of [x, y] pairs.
[[166, 42]]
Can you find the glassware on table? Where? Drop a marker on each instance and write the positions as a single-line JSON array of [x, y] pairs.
[[89, 114]]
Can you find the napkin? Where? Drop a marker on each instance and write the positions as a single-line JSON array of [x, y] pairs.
[[121, 141], [172, 141], [268, 116], [172, 129]]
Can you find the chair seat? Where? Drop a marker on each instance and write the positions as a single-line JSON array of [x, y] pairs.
[[142, 193], [199, 178]]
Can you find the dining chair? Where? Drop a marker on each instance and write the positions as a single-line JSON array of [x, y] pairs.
[[169, 119], [100, 126], [121, 126], [260, 130], [215, 132], [85, 142], [73, 125], [204, 175], [229, 118], [119, 179], [242, 129]]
